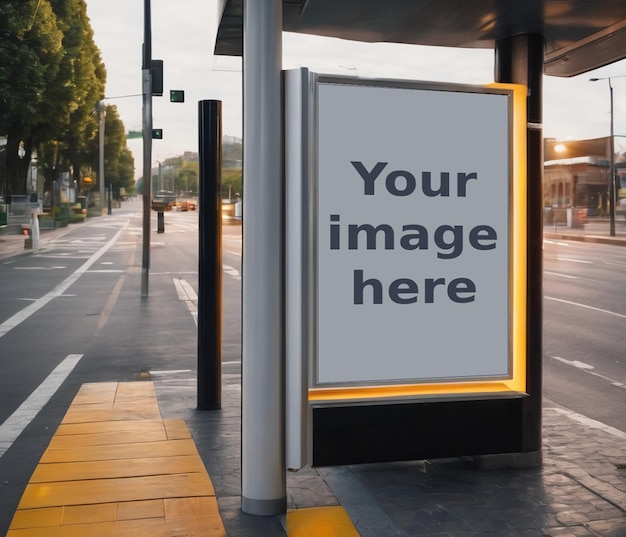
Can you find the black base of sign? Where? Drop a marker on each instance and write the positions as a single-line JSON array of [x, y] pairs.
[[416, 430]]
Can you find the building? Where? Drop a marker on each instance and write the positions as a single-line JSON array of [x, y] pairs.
[[579, 182]]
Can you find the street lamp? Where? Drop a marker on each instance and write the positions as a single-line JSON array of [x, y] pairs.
[[612, 196], [102, 110]]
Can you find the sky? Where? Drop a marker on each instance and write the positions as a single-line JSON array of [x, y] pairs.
[[183, 36]]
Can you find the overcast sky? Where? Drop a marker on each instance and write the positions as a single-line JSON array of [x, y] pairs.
[[183, 35]]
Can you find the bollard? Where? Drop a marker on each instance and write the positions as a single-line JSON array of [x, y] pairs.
[[28, 239], [160, 222]]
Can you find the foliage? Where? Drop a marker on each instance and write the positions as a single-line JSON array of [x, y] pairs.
[[118, 160], [30, 55], [51, 76], [232, 183]]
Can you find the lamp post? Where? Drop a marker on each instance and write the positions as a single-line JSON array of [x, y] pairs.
[[612, 196], [101, 108]]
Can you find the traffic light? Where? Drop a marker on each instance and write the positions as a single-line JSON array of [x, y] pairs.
[[157, 134], [177, 96], [157, 77]]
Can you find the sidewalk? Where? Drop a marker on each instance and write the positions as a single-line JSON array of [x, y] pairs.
[[12, 240], [595, 230], [579, 491]]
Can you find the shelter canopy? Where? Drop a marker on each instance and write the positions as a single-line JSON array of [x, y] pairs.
[[580, 35]]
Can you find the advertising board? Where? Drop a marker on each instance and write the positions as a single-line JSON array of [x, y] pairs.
[[418, 210]]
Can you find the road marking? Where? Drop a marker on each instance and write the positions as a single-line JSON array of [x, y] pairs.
[[56, 267], [187, 294], [556, 242], [26, 412], [231, 272], [600, 310], [575, 260], [575, 363], [29, 310], [169, 372], [108, 307], [589, 369], [561, 275]]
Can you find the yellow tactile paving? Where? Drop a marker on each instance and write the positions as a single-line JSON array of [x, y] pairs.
[[131, 450], [114, 467], [320, 522]]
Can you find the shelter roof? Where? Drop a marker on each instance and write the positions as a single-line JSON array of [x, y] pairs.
[[580, 35]]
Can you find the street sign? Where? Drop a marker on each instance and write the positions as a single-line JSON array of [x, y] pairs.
[[177, 96]]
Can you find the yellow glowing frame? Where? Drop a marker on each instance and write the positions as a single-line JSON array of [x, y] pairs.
[[516, 385]]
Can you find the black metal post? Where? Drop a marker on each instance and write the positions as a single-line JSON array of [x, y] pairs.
[[160, 222], [519, 60], [210, 256]]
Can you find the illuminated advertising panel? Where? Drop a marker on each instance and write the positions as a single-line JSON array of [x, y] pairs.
[[419, 238]]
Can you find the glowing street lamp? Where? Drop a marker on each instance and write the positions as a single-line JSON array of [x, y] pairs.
[[612, 196]]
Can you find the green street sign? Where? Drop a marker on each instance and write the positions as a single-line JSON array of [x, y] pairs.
[[134, 134], [177, 96]]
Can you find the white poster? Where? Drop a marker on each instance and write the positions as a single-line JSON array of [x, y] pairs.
[[413, 231]]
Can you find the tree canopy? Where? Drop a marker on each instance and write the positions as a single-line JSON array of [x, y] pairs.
[[51, 76]]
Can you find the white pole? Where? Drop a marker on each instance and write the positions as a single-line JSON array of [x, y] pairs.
[[102, 111], [262, 451]]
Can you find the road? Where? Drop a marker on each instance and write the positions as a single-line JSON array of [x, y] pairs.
[[584, 324]]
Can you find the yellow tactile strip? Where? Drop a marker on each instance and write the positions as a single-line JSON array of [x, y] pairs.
[[320, 522], [114, 467]]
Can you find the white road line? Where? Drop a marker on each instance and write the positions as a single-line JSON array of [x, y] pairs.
[[589, 369], [29, 310], [560, 275], [575, 363], [187, 294], [231, 272], [26, 412], [56, 267], [169, 372], [600, 310], [575, 260]]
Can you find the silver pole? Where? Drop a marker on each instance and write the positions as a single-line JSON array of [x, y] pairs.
[[262, 451], [612, 196], [102, 114], [146, 76]]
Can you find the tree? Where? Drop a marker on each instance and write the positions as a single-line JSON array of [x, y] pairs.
[[30, 55], [187, 180], [232, 183], [70, 125], [51, 75], [119, 164]]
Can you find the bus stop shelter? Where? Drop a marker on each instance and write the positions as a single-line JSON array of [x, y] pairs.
[[530, 38]]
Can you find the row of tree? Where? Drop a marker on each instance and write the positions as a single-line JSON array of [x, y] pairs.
[[51, 76]]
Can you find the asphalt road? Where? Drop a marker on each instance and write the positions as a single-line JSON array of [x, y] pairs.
[[584, 324]]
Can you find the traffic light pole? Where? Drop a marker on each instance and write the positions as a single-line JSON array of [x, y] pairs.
[[147, 147]]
